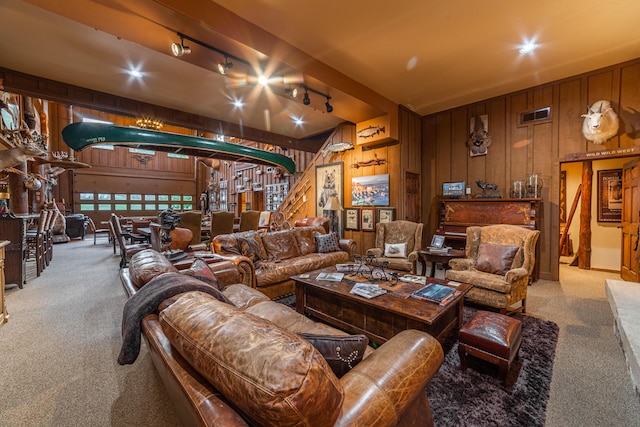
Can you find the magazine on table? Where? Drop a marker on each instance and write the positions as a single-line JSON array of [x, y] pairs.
[[434, 292], [411, 278], [367, 290], [346, 268], [332, 277]]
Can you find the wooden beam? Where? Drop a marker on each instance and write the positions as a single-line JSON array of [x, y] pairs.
[[584, 249]]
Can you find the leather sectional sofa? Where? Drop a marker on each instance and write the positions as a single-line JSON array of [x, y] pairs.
[[242, 362], [282, 254]]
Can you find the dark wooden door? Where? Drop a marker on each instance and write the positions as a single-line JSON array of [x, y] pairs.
[[412, 201], [630, 220]]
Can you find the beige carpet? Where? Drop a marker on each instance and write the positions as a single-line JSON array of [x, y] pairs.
[[58, 352]]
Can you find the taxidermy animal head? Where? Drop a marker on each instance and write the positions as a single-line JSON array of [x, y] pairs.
[[600, 123], [479, 139], [17, 155]]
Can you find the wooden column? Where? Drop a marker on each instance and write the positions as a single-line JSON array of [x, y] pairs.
[[584, 250], [19, 195]]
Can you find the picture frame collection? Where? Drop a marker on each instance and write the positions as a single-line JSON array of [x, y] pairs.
[[366, 218]]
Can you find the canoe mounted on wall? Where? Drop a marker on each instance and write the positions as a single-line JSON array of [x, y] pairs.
[[82, 135]]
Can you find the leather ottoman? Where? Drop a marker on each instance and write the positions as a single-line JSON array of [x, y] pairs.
[[492, 337]]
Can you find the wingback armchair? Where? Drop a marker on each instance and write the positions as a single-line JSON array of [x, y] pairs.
[[499, 261], [398, 242]]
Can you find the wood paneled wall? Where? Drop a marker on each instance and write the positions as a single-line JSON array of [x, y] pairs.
[[521, 149]]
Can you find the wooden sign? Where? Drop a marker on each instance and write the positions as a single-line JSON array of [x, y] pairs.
[[604, 154]]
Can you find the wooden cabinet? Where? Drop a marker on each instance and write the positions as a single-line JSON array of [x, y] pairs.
[[14, 229], [4, 315]]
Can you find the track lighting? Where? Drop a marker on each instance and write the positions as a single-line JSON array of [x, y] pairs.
[[328, 106], [180, 49], [291, 92], [223, 68], [306, 100]]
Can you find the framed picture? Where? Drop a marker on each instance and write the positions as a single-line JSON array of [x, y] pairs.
[[370, 190], [329, 183], [610, 195], [352, 219], [368, 219], [453, 189], [437, 241], [386, 214]]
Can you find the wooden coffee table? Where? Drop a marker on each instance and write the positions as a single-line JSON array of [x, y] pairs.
[[379, 318]]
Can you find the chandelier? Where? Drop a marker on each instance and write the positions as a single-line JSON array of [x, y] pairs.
[[149, 123]]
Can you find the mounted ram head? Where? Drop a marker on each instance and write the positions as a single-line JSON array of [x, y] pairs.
[[600, 123]]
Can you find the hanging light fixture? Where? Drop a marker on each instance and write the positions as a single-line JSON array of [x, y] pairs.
[[224, 67], [180, 49], [328, 106], [306, 100]]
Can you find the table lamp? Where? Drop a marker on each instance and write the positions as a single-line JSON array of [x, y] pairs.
[[333, 206]]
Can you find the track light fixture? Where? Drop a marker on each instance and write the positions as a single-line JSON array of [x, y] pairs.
[[225, 66], [292, 92], [180, 49], [328, 106], [306, 100]]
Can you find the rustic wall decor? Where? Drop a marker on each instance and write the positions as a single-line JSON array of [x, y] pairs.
[[610, 195]]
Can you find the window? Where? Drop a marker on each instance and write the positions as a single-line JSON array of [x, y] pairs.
[[118, 197], [87, 207], [86, 196]]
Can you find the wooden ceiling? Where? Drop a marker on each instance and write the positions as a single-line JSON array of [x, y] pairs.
[[369, 56]]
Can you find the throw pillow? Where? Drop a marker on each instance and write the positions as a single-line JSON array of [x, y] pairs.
[[495, 259], [250, 248], [327, 243], [201, 271], [342, 353], [395, 250]]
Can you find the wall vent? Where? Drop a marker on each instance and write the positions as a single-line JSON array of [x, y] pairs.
[[536, 115]]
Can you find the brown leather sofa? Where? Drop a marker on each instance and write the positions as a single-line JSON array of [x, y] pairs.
[[387, 388], [283, 254]]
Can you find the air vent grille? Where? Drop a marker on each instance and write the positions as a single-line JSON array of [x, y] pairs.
[[536, 115]]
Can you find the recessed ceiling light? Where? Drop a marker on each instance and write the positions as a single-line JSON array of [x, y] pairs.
[[238, 103], [263, 80], [297, 120], [528, 47], [135, 73]]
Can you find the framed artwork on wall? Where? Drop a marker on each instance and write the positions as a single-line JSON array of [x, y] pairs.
[[610, 195], [352, 219], [368, 219], [329, 183], [370, 190], [386, 214]]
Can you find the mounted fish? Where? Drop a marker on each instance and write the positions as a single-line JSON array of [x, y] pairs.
[[337, 147], [479, 140], [373, 162], [370, 131]]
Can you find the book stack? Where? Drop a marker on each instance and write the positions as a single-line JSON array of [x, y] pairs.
[[331, 277], [443, 250], [436, 293]]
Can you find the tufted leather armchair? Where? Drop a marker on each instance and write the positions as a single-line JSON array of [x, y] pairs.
[[497, 290], [398, 232]]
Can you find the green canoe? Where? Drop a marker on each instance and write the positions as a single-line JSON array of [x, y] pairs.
[[82, 135]]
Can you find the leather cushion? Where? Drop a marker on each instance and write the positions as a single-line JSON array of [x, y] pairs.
[[494, 333], [495, 259], [201, 271], [341, 353], [273, 376], [327, 243], [281, 244], [147, 264], [250, 248], [305, 236]]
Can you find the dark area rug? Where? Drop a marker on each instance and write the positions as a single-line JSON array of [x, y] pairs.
[[477, 398]]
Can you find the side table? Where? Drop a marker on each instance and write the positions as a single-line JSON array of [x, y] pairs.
[[426, 255]]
